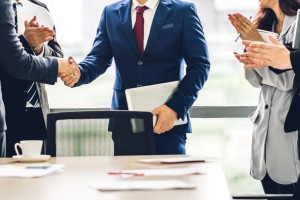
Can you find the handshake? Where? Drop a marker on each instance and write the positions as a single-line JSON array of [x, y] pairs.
[[68, 71]]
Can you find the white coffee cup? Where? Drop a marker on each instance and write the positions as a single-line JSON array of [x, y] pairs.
[[30, 148]]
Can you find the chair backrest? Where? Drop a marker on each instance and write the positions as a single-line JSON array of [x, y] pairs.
[[88, 133]]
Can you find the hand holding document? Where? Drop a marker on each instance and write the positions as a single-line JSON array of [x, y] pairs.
[[141, 185], [30, 171], [148, 98]]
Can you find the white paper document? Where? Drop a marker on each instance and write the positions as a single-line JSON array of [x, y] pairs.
[[175, 160], [29, 171], [141, 185], [265, 35], [148, 98], [158, 172]]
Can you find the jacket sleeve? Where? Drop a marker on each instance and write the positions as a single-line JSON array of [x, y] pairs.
[[283, 81], [253, 78], [99, 58], [295, 60], [13, 58], [195, 54]]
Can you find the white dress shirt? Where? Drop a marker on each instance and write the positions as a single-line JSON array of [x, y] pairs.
[[148, 16]]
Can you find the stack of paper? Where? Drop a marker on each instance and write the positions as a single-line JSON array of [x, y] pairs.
[[141, 185], [158, 172], [175, 160], [29, 171]]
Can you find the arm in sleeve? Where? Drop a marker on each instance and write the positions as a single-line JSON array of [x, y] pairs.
[[99, 58], [283, 81], [295, 60], [195, 53], [253, 78], [13, 58]]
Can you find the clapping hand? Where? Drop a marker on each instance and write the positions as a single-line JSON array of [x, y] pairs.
[[68, 71], [36, 35], [166, 119], [245, 27], [260, 54]]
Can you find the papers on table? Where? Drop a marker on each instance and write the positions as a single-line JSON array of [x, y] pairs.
[[29, 171], [141, 185], [158, 172], [177, 160]]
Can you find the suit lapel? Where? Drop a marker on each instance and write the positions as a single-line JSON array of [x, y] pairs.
[[125, 16], [160, 17]]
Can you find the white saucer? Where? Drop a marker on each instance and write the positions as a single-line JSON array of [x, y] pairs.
[[39, 158]]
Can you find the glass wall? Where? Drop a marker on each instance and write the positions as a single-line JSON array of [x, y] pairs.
[[230, 139]]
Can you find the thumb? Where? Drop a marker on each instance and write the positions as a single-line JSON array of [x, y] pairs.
[[155, 112], [26, 23], [274, 40], [246, 42]]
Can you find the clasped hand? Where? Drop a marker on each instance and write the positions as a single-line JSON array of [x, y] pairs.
[[68, 71], [244, 27]]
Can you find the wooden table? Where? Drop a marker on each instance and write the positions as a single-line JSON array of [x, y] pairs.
[[72, 184]]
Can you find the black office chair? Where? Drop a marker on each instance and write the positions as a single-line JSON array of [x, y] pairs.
[[88, 133]]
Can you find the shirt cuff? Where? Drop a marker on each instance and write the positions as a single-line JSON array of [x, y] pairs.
[[42, 54]]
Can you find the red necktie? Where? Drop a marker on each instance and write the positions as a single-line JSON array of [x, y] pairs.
[[139, 28]]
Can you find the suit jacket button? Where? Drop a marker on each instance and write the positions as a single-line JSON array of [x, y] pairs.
[[139, 85], [266, 107], [140, 63]]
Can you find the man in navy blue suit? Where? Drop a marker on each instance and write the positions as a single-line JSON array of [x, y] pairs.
[[149, 41]]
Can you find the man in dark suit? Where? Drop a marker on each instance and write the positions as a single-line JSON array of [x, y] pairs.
[[16, 62], [26, 102], [149, 41]]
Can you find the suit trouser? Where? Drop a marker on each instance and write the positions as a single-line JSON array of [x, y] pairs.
[[2, 144], [171, 142], [271, 187], [30, 127]]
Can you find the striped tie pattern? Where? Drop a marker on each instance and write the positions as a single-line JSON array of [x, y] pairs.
[[32, 94]]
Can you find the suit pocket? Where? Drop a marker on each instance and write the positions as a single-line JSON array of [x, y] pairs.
[[254, 116], [168, 26]]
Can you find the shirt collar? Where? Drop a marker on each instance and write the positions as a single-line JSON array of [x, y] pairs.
[[19, 2], [151, 4]]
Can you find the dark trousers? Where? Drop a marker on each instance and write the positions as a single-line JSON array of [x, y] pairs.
[[297, 190], [2, 144], [271, 187], [30, 127], [171, 142]]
